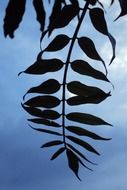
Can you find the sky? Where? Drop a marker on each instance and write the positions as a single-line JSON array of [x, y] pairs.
[[23, 165]]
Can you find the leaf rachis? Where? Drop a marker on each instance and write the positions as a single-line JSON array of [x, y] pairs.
[[67, 64]]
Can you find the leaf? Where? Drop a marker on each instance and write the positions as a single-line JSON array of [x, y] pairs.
[[83, 132], [73, 162], [100, 25], [48, 87], [67, 13], [75, 3], [113, 43], [13, 16], [58, 43], [92, 2], [96, 99], [101, 4], [112, 1], [86, 119], [43, 66], [40, 12], [46, 131], [44, 122], [123, 6], [51, 143], [99, 22], [56, 10], [83, 144], [80, 154], [57, 153], [83, 68], [87, 45], [47, 114], [80, 89], [83, 164], [43, 101]]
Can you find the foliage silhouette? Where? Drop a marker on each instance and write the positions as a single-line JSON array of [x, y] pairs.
[[64, 12]]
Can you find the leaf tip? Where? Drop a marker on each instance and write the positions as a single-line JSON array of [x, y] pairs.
[[20, 73], [24, 96]]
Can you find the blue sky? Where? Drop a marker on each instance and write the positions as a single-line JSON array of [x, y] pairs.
[[23, 164]]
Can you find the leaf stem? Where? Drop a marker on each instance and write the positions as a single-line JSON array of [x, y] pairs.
[[66, 67]]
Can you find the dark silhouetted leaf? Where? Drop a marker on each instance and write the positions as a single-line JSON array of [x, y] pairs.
[[44, 122], [112, 1], [113, 43], [44, 66], [100, 25], [80, 154], [43, 101], [51, 143], [56, 11], [99, 22], [14, 13], [83, 132], [58, 43], [73, 162], [92, 2], [100, 3], [57, 153], [83, 68], [83, 144], [75, 3], [48, 87], [80, 161], [80, 89], [123, 6], [96, 99], [40, 12], [46, 131], [86, 119], [67, 13], [47, 114], [88, 47]]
